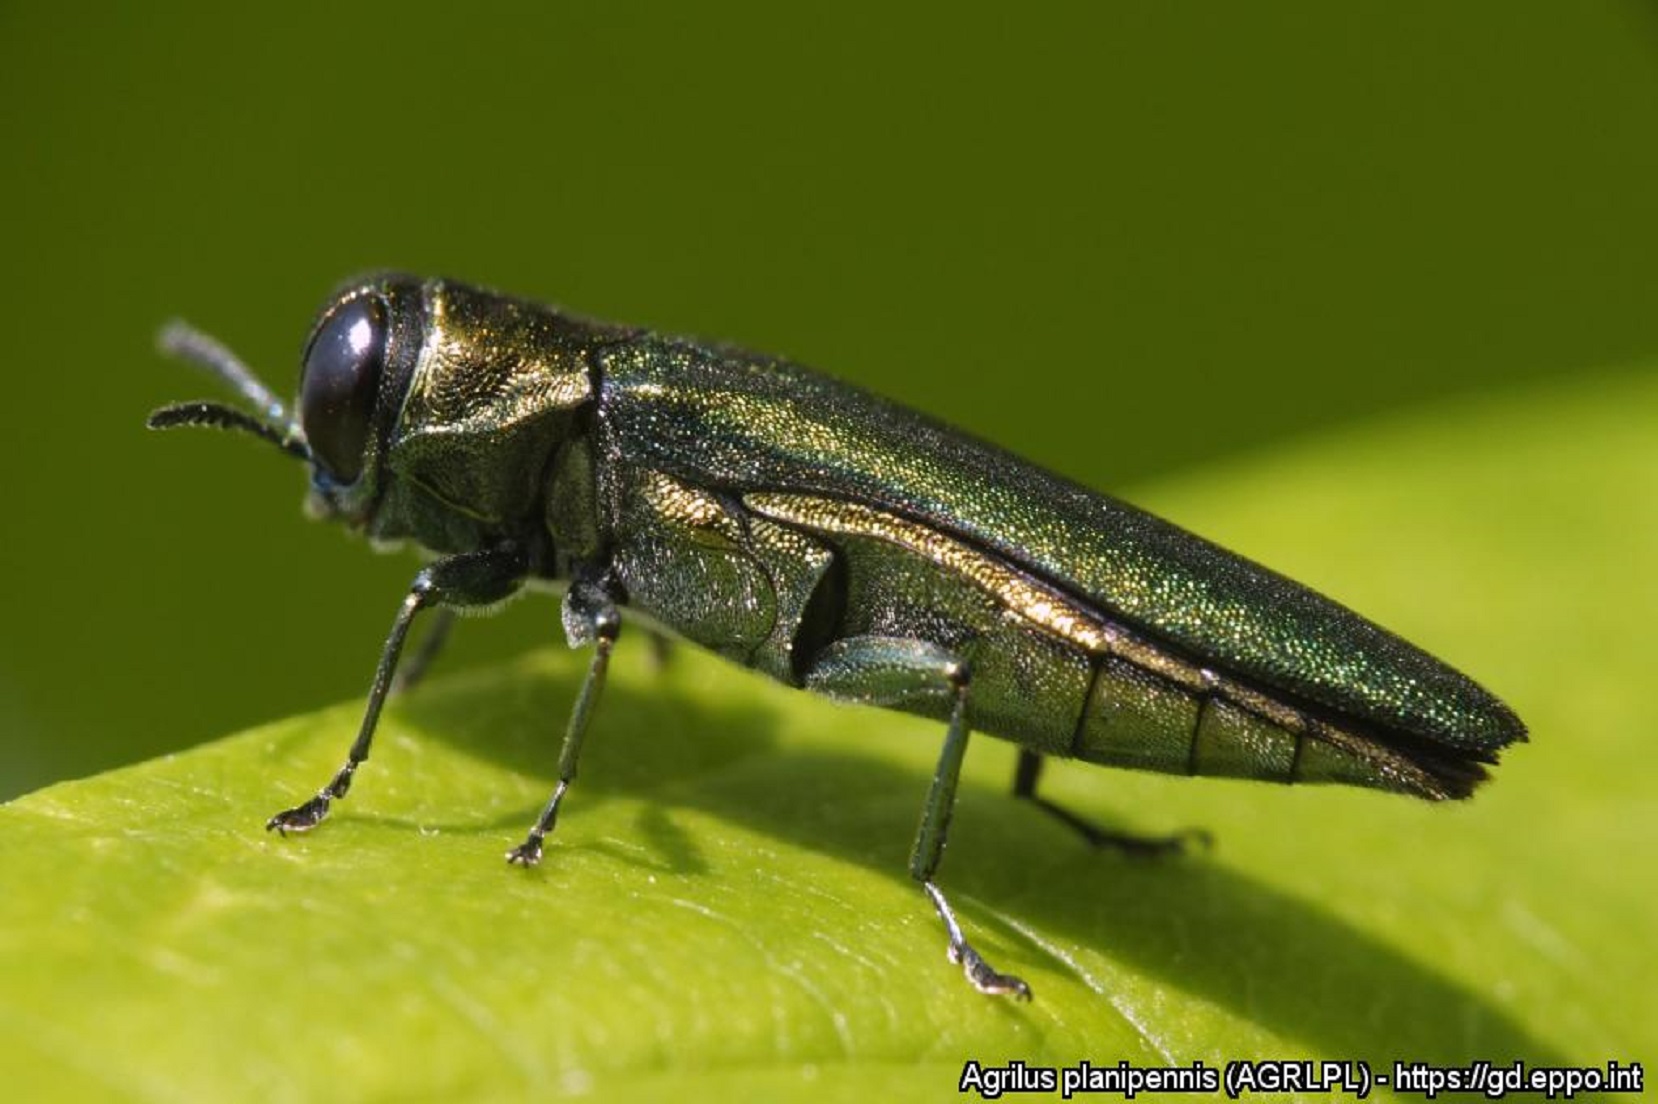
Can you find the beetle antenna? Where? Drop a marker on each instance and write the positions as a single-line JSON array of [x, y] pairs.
[[219, 416], [182, 340], [274, 423]]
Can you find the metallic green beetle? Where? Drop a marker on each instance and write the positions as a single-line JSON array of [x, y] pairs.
[[837, 542]]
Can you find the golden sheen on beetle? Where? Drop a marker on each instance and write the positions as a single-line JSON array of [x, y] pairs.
[[834, 540]]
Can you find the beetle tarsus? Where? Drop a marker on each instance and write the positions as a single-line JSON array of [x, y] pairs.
[[301, 818], [980, 974], [528, 853], [984, 977]]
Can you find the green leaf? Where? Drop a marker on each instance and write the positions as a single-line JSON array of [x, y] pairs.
[[724, 909]]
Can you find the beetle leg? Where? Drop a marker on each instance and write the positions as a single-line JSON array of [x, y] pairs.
[[589, 615], [431, 645], [889, 671], [1025, 777], [930, 840], [469, 579]]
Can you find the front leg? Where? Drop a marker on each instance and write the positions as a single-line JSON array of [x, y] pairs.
[[470, 579], [431, 646], [590, 616]]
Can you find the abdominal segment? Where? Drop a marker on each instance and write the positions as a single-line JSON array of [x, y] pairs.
[[1058, 677]]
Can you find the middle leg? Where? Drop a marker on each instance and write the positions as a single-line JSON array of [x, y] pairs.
[[899, 671]]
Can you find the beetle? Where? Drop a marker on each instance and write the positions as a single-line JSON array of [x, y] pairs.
[[835, 541]]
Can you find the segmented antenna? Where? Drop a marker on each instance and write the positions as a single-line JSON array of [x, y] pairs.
[[219, 416], [272, 422], [180, 339]]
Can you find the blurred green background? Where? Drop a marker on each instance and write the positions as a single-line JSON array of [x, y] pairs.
[[1119, 242]]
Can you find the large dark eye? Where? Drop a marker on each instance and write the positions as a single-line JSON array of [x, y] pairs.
[[337, 389]]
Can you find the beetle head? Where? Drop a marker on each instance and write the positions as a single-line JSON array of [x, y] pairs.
[[356, 365], [415, 399]]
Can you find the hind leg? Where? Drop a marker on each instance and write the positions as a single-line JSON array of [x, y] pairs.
[[1028, 772]]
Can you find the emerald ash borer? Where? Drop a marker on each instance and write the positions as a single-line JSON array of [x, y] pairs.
[[836, 541]]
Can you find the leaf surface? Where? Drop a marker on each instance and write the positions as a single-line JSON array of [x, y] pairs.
[[724, 910]]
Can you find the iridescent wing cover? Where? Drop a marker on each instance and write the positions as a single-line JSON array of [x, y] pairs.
[[737, 422]]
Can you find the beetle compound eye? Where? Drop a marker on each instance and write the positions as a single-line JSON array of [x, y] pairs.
[[337, 389]]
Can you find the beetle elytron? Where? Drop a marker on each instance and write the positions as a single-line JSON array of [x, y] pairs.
[[835, 541]]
